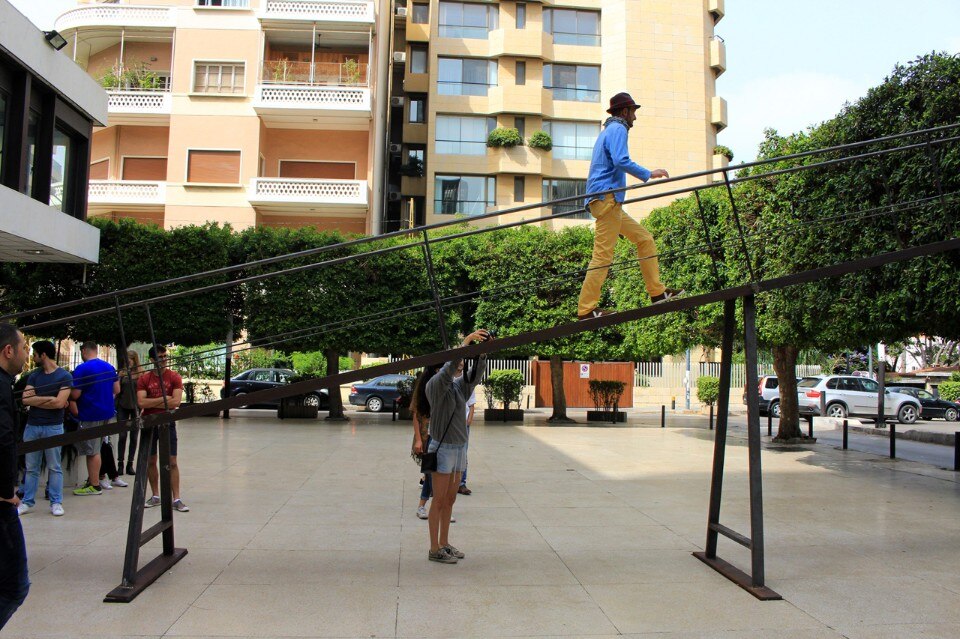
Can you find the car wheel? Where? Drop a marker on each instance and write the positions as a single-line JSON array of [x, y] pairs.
[[907, 414], [837, 411], [374, 404], [951, 414], [775, 409], [311, 400]]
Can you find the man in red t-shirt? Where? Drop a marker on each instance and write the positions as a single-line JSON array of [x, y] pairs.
[[152, 399]]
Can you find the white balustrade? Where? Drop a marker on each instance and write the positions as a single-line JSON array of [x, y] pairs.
[[126, 192], [115, 15], [308, 191], [319, 10], [313, 97], [139, 101]]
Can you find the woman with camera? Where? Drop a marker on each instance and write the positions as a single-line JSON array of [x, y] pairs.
[[447, 395]]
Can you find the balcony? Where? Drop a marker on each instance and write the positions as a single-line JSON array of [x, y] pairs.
[[325, 13], [320, 94], [525, 43], [293, 194], [718, 55], [106, 195], [115, 15], [139, 107], [718, 112]]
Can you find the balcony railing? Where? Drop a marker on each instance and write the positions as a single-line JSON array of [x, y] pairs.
[[139, 101], [312, 192], [350, 11], [318, 73], [119, 15], [126, 192], [311, 97]]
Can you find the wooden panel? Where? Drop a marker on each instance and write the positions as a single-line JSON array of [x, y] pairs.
[[220, 167], [152, 169], [318, 170], [577, 390], [100, 170]]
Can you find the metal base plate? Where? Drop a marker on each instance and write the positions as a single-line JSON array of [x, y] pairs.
[[738, 577], [145, 576]]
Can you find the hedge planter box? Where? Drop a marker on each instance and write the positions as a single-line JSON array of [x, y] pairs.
[[501, 415], [294, 408], [606, 416]]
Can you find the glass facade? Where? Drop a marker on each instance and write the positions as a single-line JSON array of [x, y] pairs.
[[572, 140], [467, 20], [555, 189], [572, 82], [570, 26], [463, 194], [463, 135], [465, 76], [61, 170]]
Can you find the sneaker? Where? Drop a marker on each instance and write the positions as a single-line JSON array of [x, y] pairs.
[[667, 295], [56, 510], [463, 490], [88, 490], [422, 512], [119, 482], [443, 556], [130, 470], [180, 507], [105, 484], [453, 551], [23, 509], [597, 312], [153, 501]]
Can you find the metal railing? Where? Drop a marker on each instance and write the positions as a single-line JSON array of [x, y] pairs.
[[342, 74]]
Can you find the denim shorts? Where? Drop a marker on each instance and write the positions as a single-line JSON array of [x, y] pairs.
[[155, 440], [451, 458]]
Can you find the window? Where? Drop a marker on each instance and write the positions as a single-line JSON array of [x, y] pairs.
[[574, 83], [234, 4], [464, 194], [3, 122], [421, 13], [418, 59], [218, 77], [521, 15], [417, 108], [521, 72], [518, 188], [462, 76], [216, 167], [572, 140], [457, 135], [61, 186], [100, 170], [569, 26], [556, 189], [151, 169], [869, 385], [33, 124], [922, 394], [466, 20], [261, 376], [520, 124]]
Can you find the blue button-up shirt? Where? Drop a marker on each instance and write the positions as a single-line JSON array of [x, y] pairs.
[[611, 162]]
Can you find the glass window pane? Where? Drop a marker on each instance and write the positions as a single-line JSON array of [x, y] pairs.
[[32, 126], [451, 13], [521, 15], [450, 70], [3, 122], [421, 13], [418, 60], [588, 23], [564, 21], [416, 111], [60, 170], [588, 78], [870, 386], [474, 15], [467, 195], [521, 72], [548, 20]]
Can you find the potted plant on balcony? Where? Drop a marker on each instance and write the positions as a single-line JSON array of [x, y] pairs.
[[279, 69], [505, 388], [541, 140], [724, 151], [504, 137], [350, 72], [606, 394]]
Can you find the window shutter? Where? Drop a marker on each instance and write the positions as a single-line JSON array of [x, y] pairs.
[[152, 169], [218, 167]]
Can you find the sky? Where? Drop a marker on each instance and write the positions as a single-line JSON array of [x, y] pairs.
[[790, 65]]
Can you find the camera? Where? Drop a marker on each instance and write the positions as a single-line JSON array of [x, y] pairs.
[[490, 335]]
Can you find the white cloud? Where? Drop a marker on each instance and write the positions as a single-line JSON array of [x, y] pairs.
[[787, 102]]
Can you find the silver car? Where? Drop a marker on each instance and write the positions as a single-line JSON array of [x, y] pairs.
[[850, 395]]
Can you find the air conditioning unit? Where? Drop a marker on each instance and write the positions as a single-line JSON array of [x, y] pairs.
[[396, 101], [400, 56], [394, 196], [401, 12], [394, 148]]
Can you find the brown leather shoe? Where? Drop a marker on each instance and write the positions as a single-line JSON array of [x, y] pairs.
[[463, 490], [597, 312]]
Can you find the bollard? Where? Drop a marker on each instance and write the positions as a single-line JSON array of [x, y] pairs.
[[769, 424], [845, 436], [893, 440], [711, 416], [673, 403], [810, 426], [393, 416], [956, 451], [663, 416], [615, 409]]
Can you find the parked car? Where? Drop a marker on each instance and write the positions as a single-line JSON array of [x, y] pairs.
[[932, 406], [847, 394], [377, 393], [257, 379], [768, 388]]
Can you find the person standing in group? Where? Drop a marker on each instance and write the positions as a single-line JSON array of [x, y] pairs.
[[95, 385], [609, 166], [154, 398], [447, 395], [46, 394], [127, 409], [14, 575]]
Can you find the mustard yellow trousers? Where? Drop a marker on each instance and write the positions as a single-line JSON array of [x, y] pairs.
[[611, 223]]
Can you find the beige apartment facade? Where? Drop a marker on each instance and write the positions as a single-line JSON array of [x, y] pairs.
[[465, 68], [247, 112]]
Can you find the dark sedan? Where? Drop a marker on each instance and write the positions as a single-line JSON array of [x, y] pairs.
[[932, 406], [378, 392], [257, 379]]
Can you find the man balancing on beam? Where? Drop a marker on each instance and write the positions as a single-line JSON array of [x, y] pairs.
[[608, 168]]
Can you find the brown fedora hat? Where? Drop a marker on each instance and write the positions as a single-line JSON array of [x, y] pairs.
[[620, 101]]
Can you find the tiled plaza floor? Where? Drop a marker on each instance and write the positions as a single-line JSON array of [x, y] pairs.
[[308, 529]]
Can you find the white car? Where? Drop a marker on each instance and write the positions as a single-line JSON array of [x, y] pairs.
[[850, 395]]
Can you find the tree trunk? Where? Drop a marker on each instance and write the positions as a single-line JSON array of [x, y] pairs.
[[559, 397], [336, 402], [785, 365]]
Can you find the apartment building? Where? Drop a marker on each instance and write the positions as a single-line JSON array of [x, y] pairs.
[[248, 112], [462, 69], [47, 111]]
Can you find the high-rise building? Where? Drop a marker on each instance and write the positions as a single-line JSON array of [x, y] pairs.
[[463, 69], [248, 112]]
